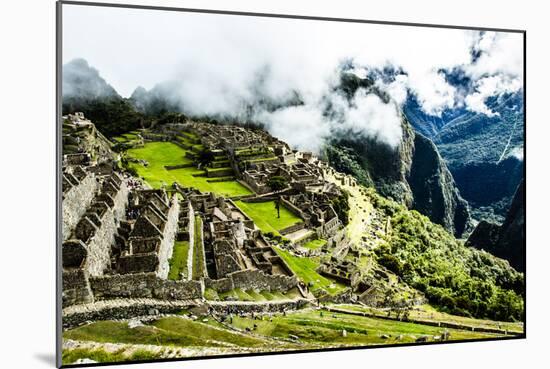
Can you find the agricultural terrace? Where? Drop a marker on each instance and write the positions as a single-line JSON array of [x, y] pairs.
[[315, 244], [305, 268], [251, 295], [264, 215], [167, 336], [161, 154]]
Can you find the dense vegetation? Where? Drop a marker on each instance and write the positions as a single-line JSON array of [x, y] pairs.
[[341, 206], [478, 150], [115, 115], [112, 116], [458, 279], [277, 183], [345, 160]]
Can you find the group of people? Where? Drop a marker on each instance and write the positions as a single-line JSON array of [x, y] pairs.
[[133, 183]]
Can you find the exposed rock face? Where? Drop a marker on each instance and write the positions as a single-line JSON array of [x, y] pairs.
[[434, 191], [485, 234], [480, 151], [413, 174], [374, 163], [81, 136], [508, 240], [512, 235]]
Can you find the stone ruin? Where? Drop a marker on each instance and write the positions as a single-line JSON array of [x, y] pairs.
[[118, 238]]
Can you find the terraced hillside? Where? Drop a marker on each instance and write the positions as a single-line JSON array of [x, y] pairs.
[[204, 265]]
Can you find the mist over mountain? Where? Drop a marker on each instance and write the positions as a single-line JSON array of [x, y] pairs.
[[362, 120], [83, 89], [83, 82], [158, 100]]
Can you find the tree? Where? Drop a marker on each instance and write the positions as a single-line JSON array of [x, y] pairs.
[[205, 157], [277, 183], [278, 206]]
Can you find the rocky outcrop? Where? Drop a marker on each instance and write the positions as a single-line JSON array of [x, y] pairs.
[[433, 189], [374, 163], [508, 240], [485, 235], [511, 243]]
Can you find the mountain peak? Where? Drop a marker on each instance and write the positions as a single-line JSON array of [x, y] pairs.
[[82, 81]]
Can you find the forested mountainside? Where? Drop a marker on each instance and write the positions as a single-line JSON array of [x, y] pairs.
[[413, 174], [480, 151]]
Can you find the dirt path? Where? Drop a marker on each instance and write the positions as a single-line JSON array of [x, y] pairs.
[[360, 209]]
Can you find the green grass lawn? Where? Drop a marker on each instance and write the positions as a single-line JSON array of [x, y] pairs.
[[304, 267], [169, 331], [314, 329], [325, 328], [178, 261], [315, 244], [427, 312], [160, 154], [264, 215], [102, 356], [198, 250]]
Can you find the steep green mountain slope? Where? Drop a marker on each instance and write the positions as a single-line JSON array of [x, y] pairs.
[[480, 151], [412, 174], [505, 241], [458, 279]]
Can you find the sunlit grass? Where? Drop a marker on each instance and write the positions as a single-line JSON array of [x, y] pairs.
[[161, 154], [264, 215]]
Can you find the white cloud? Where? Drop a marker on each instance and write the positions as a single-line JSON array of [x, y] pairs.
[[397, 89], [217, 59], [371, 116], [498, 70], [501, 53], [517, 152], [490, 86], [303, 127]]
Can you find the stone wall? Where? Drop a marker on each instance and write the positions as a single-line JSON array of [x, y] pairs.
[[122, 309], [75, 287], [292, 228], [144, 285], [99, 247], [169, 236], [75, 202], [191, 228], [219, 285], [266, 307], [256, 279], [252, 279], [329, 228], [294, 209], [138, 263]]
